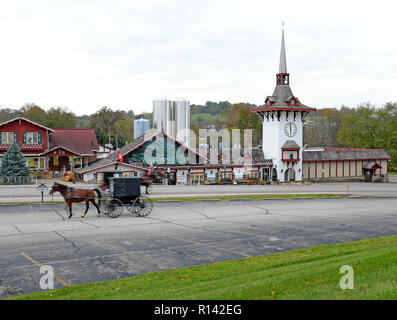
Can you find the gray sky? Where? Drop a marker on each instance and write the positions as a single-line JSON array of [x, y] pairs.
[[124, 54]]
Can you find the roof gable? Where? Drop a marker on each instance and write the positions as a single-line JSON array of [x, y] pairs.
[[148, 136], [26, 120], [79, 141]]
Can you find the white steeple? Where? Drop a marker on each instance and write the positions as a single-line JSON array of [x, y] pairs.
[[283, 59]]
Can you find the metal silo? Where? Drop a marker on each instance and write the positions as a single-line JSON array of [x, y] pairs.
[[187, 105], [170, 128], [173, 117], [160, 114], [182, 119], [140, 127]]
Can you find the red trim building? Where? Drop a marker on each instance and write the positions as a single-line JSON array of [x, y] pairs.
[[49, 149]]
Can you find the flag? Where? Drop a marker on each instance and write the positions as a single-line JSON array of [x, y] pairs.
[[119, 156]]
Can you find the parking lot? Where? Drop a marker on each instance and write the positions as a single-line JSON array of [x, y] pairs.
[[175, 234]]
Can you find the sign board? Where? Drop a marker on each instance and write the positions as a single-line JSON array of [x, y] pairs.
[[42, 187]]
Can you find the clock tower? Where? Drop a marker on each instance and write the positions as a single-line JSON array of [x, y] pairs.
[[282, 117]]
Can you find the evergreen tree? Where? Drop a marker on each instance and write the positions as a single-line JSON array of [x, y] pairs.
[[13, 166]]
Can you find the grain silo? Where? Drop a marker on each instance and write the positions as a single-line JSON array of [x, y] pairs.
[[173, 117], [140, 127], [160, 108], [182, 120]]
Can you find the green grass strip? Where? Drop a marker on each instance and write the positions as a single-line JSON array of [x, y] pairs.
[[311, 273]]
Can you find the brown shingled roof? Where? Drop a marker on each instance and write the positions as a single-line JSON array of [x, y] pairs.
[[80, 141], [333, 154]]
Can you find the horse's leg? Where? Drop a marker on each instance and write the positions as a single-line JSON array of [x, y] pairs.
[[86, 208], [70, 208], [96, 206]]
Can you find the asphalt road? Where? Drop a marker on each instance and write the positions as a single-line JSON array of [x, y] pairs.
[[174, 235], [30, 194]]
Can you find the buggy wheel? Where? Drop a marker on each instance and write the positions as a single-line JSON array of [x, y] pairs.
[[131, 208], [142, 206], [113, 208]]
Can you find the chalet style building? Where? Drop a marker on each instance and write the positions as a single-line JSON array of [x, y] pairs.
[[197, 169], [49, 149]]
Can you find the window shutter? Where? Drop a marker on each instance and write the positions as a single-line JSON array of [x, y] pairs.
[[39, 139], [24, 137], [15, 137], [1, 137]]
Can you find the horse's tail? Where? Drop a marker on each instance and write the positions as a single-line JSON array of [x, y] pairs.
[[99, 195]]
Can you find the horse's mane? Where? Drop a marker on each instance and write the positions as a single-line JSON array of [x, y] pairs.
[[61, 186]]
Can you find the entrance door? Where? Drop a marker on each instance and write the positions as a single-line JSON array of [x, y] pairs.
[[368, 173], [266, 174], [274, 174], [289, 175]]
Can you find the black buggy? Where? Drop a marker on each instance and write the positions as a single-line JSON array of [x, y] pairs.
[[124, 192]]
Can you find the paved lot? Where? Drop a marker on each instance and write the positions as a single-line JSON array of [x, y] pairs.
[[174, 235], [30, 194]]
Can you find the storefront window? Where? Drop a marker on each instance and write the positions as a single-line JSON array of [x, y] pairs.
[[253, 174], [36, 163], [75, 159]]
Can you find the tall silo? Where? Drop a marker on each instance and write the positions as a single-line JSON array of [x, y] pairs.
[[160, 114], [187, 105], [140, 127], [170, 128], [182, 120], [173, 117]]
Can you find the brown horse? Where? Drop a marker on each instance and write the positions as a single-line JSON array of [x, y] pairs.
[[77, 195]]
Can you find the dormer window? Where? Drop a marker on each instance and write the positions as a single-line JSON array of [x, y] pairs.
[[292, 102]]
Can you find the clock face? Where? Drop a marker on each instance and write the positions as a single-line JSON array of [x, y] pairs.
[[290, 129]]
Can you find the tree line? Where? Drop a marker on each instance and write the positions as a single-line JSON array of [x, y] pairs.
[[111, 126], [364, 126]]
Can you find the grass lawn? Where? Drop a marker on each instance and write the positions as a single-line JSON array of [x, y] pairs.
[[300, 274]]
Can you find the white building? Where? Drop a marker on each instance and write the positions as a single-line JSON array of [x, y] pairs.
[[282, 117]]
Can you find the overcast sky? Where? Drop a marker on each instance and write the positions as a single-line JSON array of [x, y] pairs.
[[124, 54]]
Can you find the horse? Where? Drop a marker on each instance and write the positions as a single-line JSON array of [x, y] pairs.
[[77, 195]]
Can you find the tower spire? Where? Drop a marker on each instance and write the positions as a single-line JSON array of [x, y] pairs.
[[283, 75], [283, 60]]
